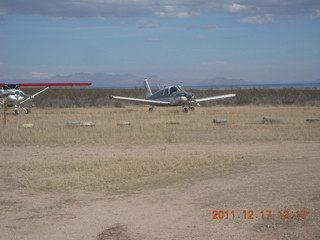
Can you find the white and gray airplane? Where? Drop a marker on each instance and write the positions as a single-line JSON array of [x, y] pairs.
[[170, 96], [12, 96]]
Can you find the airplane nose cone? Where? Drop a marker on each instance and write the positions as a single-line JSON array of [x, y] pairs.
[[180, 100], [184, 99], [16, 98]]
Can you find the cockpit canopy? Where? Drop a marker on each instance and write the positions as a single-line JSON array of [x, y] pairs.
[[172, 89]]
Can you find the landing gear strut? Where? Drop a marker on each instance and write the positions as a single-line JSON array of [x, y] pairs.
[[26, 110], [16, 110], [151, 108]]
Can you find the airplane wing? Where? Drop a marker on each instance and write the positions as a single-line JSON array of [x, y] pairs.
[[214, 98], [33, 85], [142, 101]]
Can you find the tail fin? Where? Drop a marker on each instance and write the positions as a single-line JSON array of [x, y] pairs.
[[147, 88]]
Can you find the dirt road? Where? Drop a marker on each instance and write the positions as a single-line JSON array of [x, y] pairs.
[[278, 177]]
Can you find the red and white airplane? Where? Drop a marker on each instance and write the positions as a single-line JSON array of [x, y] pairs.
[[14, 97]]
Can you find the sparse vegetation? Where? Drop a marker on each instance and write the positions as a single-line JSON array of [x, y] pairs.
[[145, 127], [60, 176], [99, 97], [147, 153]]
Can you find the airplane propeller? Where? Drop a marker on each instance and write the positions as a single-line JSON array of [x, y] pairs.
[[192, 102]]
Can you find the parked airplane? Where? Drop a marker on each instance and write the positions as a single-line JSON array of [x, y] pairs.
[[14, 97], [170, 96]]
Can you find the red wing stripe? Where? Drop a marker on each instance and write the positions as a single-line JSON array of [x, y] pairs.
[[53, 84]]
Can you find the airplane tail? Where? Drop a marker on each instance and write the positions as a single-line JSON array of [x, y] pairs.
[[147, 88]]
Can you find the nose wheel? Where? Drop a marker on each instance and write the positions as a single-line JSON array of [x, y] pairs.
[[191, 104]]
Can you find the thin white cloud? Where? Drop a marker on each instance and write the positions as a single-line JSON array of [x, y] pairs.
[[316, 14], [144, 23], [235, 8], [38, 75], [174, 14], [264, 19], [25, 76], [246, 9], [11, 72], [175, 11], [211, 26]]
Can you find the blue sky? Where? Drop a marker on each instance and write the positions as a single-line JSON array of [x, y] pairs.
[[177, 40]]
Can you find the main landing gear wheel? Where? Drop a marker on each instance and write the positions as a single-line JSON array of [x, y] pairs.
[[185, 110], [26, 110]]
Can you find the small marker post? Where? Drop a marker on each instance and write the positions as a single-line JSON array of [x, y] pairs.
[[4, 104]]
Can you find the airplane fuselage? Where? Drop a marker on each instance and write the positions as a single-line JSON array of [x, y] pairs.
[[13, 96], [13, 100]]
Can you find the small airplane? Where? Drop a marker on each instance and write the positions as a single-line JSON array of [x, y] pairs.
[[13, 97], [169, 96]]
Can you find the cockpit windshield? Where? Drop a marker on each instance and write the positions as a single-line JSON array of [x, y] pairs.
[[180, 88], [169, 90], [175, 89]]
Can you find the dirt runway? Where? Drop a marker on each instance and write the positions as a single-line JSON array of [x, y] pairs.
[[276, 195]]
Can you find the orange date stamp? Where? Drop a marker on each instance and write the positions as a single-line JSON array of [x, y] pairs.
[[264, 214]]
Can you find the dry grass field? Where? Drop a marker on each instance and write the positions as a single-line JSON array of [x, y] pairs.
[[161, 176]]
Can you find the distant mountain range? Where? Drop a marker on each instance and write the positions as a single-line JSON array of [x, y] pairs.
[[101, 80], [223, 81], [105, 80]]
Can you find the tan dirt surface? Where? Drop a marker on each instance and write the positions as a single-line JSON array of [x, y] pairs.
[[279, 176]]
